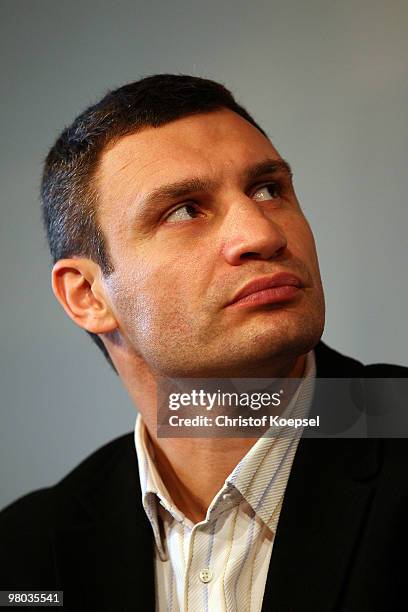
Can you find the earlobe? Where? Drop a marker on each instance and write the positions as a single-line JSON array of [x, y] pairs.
[[76, 285]]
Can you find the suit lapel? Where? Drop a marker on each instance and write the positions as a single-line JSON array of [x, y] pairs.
[[328, 496], [105, 560], [326, 502]]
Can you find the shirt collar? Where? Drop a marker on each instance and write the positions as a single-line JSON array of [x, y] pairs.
[[154, 491]]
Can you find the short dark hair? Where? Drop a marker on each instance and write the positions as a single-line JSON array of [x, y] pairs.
[[69, 196]]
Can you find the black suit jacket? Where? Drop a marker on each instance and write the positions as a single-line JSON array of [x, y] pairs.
[[341, 543]]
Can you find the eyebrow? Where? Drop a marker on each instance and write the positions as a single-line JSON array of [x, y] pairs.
[[186, 187]]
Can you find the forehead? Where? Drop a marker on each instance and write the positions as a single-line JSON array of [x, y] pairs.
[[218, 145]]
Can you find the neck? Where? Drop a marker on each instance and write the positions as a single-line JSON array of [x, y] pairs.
[[192, 469]]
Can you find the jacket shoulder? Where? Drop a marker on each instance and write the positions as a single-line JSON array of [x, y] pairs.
[[385, 370], [333, 364], [27, 525], [39, 506]]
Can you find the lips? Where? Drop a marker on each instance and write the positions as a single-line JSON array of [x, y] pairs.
[[281, 286]]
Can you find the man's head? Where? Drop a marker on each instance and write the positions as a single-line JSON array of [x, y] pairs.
[[161, 203]]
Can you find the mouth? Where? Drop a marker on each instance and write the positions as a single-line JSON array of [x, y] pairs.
[[279, 288]]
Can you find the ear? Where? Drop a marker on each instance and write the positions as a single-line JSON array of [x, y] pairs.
[[78, 288]]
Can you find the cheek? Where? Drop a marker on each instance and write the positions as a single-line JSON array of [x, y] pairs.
[[302, 246], [181, 272], [151, 298], [301, 241]]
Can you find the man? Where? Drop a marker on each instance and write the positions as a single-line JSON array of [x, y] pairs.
[[180, 246]]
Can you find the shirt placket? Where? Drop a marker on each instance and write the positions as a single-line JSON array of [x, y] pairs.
[[199, 575]]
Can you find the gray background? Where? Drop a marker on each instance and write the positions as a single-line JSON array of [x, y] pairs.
[[327, 80]]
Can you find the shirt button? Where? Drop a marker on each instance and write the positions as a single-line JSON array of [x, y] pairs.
[[206, 575], [226, 496]]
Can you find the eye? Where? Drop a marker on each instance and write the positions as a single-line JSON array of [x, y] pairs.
[[183, 213], [270, 191]]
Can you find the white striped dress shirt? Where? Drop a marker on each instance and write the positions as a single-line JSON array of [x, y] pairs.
[[221, 563]]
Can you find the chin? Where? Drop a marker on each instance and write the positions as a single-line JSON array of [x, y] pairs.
[[291, 334], [254, 358]]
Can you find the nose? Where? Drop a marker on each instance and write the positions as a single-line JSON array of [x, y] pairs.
[[251, 233]]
